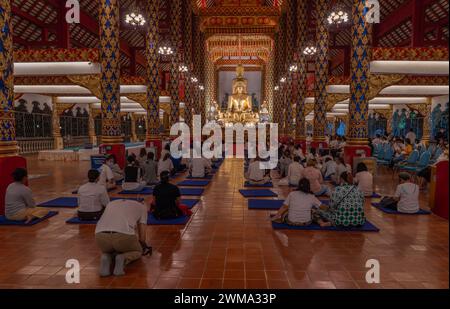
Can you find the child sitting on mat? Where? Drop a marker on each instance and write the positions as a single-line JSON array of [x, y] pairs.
[[92, 198], [298, 208], [106, 174], [19, 202], [133, 176], [166, 200]]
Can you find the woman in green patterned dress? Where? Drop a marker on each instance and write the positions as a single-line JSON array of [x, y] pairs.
[[346, 205]]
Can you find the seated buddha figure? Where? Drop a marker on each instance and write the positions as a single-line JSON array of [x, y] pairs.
[[239, 103]]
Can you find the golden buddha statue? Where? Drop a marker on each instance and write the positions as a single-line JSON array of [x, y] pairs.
[[240, 103]]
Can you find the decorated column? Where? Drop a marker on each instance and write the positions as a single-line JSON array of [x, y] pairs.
[[188, 96], [112, 137], [176, 61], [134, 137], [282, 74], [269, 84], [321, 75], [209, 83], [197, 64], [276, 99], [290, 42], [202, 76], [302, 23], [56, 126], [91, 126], [358, 130], [9, 158], [153, 138]]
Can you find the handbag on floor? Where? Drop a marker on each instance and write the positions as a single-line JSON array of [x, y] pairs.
[[388, 202]]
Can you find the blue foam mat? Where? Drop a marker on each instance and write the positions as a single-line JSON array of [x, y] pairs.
[[76, 220], [194, 183], [192, 191], [367, 227], [145, 191], [258, 193], [271, 204], [178, 221], [61, 202], [206, 177], [4, 221], [189, 203], [395, 212], [266, 185]]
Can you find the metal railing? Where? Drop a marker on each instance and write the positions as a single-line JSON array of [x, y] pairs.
[[34, 145]]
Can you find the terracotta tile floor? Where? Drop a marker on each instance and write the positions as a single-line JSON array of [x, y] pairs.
[[226, 246]]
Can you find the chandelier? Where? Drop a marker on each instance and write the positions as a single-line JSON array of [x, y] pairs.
[[183, 68], [283, 80], [165, 50], [293, 68], [201, 87], [194, 79], [134, 17], [338, 16], [276, 88], [310, 49]]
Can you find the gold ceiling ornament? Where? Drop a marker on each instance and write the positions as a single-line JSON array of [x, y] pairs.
[[62, 107], [377, 82], [140, 98], [90, 82], [334, 98], [309, 107]]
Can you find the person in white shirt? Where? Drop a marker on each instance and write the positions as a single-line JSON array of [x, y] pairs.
[[341, 168], [165, 151], [120, 235], [117, 171], [406, 195], [298, 152], [298, 207], [284, 163], [165, 164], [92, 198], [329, 168], [106, 178], [411, 136], [364, 180], [295, 171], [133, 180], [255, 175], [199, 167]]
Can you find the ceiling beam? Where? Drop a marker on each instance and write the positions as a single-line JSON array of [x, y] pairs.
[[32, 19]]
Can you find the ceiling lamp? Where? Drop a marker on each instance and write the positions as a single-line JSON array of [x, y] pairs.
[[194, 79], [293, 68], [183, 68], [165, 50], [283, 80], [310, 49], [201, 87], [276, 88], [134, 17], [338, 16]]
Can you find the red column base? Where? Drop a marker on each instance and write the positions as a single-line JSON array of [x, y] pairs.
[[7, 166], [118, 150], [352, 151], [440, 206], [155, 143]]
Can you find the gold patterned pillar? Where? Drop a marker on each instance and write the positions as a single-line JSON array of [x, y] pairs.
[[197, 64], [209, 83], [290, 42], [276, 100], [321, 74], [58, 143], [188, 95], [109, 19], [91, 126], [425, 111], [282, 74], [133, 128], [152, 121], [175, 34], [8, 144], [202, 75], [302, 23], [269, 84]]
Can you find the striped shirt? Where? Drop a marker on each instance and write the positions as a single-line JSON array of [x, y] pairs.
[[18, 197]]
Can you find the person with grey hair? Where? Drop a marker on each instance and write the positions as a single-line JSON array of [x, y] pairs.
[[406, 195]]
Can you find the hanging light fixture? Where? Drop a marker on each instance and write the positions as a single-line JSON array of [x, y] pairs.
[[338, 16], [165, 50], [276, 88], [310, 49], [194, 79], [183, 68], [283, 79], [201, 87], [134, 17], [293, 68]]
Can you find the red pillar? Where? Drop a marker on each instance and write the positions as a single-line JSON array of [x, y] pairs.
[[418, 18]]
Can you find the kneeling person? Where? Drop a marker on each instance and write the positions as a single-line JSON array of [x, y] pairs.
[[120, 234], [256, 175], [92, 198]]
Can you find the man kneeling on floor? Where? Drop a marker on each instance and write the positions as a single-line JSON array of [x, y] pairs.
[[120, 235]]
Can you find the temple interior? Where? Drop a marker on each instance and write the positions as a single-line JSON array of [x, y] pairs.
[[352, 96]]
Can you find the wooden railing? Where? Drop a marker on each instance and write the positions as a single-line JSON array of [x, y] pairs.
[[34, 145]]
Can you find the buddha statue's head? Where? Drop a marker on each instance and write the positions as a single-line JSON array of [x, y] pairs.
[[240, 87]]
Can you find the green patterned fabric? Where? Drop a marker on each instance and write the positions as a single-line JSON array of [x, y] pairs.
[[350, 211]]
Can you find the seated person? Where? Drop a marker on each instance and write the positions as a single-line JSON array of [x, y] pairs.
[[329, 168], [19, 202], [341, 167], [298, 152], [117, 171], [346, 206], [255, 175], [106, 178], [165, 164], [142, 157], [298, 207], [295, 171], [284, 163], [315, 179], [92, 198], [166, 200], [165, 151], [150, 168], [406, 195], [133, 176], [364, 180], [120, 235], [199, 167]]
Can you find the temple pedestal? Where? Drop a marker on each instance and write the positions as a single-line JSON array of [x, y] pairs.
[[7, 167], [118, 150], [352, 151]]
